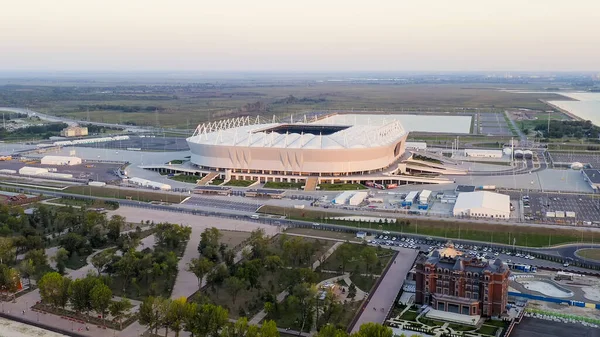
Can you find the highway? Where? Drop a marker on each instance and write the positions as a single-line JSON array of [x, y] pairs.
[[241, 213]]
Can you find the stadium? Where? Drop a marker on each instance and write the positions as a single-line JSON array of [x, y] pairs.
[[325, 149]]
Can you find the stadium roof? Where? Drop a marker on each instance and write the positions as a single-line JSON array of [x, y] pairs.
[[483, 199], [266, 135]]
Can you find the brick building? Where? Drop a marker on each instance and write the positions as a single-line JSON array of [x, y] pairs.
[[74, 131], [448, 281]]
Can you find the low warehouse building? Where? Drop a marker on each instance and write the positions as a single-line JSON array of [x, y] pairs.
[[32, 171], [60, 160], [482, 204], [150, 184]]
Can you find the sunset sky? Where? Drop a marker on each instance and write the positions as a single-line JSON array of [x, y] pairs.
[[308, 35]]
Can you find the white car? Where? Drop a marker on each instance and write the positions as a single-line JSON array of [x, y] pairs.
[[496, 254]]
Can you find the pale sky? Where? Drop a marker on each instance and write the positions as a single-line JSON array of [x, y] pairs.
[[300, 35]]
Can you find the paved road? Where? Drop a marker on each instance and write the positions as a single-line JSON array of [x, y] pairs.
[[389, 287]]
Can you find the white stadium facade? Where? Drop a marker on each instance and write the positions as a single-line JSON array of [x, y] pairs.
[[298, 149], [324, 150]]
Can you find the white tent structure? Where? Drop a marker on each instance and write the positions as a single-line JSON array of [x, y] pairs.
[[482, 204], [60, 160]]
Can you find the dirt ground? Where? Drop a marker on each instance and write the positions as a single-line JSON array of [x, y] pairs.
[[324, 234], [136, 215], [232, 239]]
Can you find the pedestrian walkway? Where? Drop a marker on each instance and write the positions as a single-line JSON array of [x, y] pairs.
[[282, 295]]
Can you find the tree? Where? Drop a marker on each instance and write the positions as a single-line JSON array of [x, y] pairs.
[[240, 328], [61, 258], [7, 251], [119, 310], [373, 330], [200, 267], [171, 236], [74, 243], [207, 320], [369, 256], [80, 293], [10, 279], [272, 263], [345, 253], [179, 309], [52, 288], [269, 329], [126, 267], [27, 269], [115, 224], [100, 296], [101, 259], [234, 285], [209, 244], [330, 330], [153, 312]]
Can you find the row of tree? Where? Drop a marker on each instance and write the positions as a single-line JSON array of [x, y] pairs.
[[82, 295]]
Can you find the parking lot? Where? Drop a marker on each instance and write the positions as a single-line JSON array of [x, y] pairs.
[[566, 158], [586, 207], [223, 204], [533, 327], [95, 171], [493, 124]]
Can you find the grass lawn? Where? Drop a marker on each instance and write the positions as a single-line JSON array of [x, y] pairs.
[[341, 187], [86, 203], [233, 239], [175, 162], [216, 182], [590, 253], [487, 330], [117, 193], [355, 262], [240, 183], [283, 185], [184, 178], [324, 234], [76, 261], [363, 282], [410, 315], [527, 236]]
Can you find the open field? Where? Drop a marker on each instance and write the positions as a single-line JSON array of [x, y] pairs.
[[527, 236], [186, 105], [232, 238], [590, 254]]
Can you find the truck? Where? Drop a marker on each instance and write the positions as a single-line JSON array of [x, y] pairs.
[[423, 207], [390, 186]]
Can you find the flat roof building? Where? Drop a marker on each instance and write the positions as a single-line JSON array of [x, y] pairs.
[[478, 153], [482, 204], [60, 160], [74, 131]]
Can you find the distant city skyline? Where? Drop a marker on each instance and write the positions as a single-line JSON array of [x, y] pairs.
[[311, 36]]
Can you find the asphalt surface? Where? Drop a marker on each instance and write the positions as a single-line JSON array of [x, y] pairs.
[[144, 143], [533, 327], [223, 204], [382, 300]]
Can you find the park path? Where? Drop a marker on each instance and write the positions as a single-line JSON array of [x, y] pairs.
[[282, 295]]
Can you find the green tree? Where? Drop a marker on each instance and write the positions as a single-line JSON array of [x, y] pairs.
[[373, 330], [119, 310], [27, 269], [80, 293], [171, 236], [10, 279], [200, 267], [52, 290], [207, 320], [272, 263], [345, 252], [234, 285], [126, 267], [179, 309], [7, 250], [269, 329], [369, 257], [61, 258], [153, 312], [330, 330], [209, 243], [100, 296], [115, 224]]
